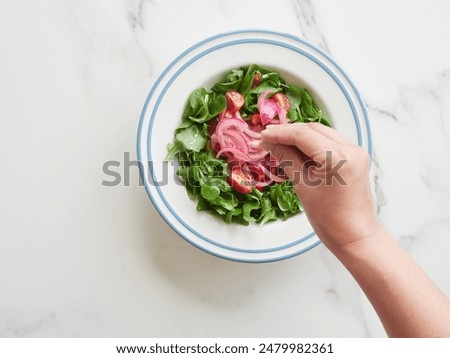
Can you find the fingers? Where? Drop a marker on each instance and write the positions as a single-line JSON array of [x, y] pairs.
[[291, 160], [308, 140], [328, 132]]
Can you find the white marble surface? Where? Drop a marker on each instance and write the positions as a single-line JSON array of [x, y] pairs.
[[78, 259]]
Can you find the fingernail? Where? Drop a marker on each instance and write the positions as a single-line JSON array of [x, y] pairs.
[[268, 128]]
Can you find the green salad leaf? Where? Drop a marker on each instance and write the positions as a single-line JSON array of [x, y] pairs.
[[231, 81], [203, 105], [303, 107], [191, 138]]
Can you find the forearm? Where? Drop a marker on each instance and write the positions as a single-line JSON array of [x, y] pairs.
[[408, 303]]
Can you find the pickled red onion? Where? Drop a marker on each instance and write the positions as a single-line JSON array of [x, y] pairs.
[[236, 152], [236, 140], [239, 139]]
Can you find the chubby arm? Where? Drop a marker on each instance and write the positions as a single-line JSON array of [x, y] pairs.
[[331, 178], [408, 303]]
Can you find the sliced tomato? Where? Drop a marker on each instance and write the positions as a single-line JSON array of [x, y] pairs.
[[240, 181], [255, 170], [255, 118], [256, 79], [258, 128], [212, 126], [235, 100], [282, 100]]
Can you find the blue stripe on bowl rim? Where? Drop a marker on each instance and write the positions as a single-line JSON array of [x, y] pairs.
[[183, 68]]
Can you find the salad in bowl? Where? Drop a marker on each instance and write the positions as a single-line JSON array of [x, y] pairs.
[[217, 145]]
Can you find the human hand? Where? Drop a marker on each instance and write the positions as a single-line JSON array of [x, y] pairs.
[[330, 176]]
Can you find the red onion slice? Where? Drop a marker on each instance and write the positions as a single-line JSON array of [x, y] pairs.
[[262, 97], [282, 116], [252, 133], [258, 156], [236, 152], [239, 139]]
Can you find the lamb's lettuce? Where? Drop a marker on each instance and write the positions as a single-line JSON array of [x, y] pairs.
[[205, 176]]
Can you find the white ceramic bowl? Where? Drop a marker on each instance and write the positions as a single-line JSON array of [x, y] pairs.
[[201, 66]]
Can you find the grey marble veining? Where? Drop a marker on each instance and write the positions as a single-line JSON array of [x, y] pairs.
[[309, 27], [78, 259]]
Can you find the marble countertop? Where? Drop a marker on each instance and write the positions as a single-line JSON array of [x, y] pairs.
[[78, 259]]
